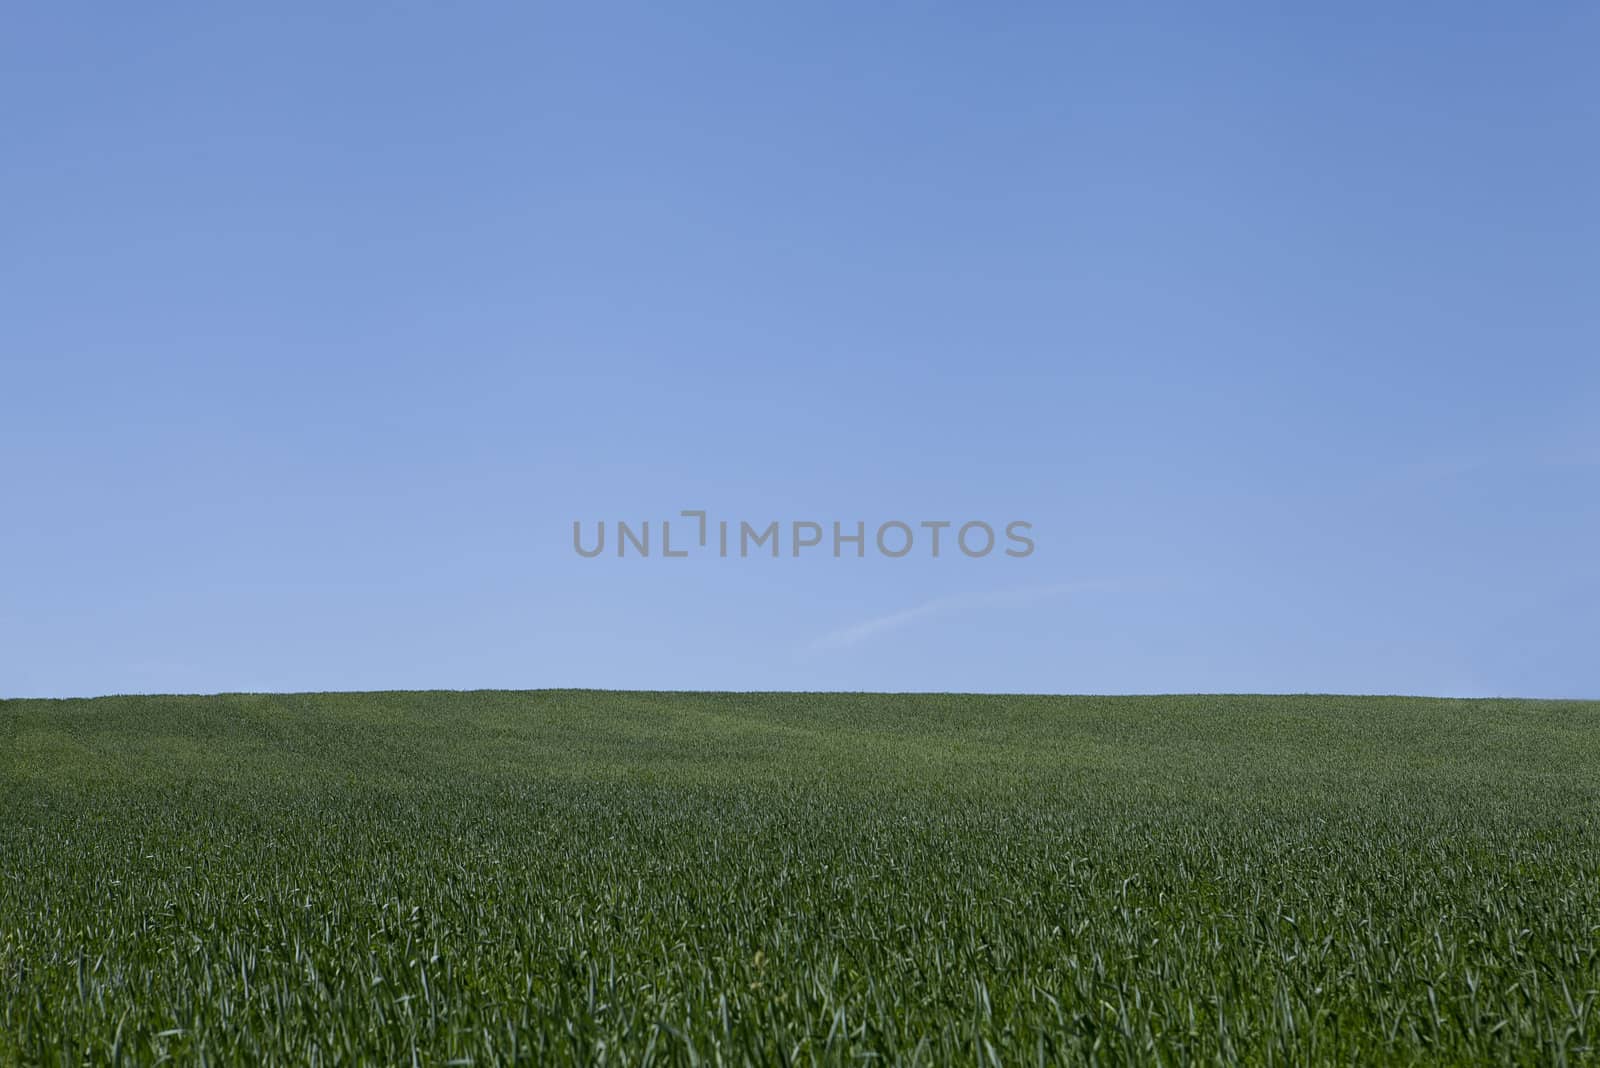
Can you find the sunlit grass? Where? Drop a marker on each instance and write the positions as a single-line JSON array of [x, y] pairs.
[[653, 878]]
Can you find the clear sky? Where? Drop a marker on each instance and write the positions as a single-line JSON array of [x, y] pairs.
[[320, 328]]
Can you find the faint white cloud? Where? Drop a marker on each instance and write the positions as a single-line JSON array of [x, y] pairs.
[[956, 605]]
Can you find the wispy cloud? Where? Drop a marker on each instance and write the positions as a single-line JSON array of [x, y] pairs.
[[959, 604]]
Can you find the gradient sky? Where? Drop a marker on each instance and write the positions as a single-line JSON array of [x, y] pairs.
[[321, 328]]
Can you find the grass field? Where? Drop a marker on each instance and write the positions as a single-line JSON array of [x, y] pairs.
[[483, 877]]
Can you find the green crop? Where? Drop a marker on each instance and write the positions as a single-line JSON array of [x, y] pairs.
[[487, 877]]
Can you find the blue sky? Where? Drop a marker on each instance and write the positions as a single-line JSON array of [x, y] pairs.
[[321, 328]]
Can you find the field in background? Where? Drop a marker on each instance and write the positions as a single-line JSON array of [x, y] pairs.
[[714, 878]]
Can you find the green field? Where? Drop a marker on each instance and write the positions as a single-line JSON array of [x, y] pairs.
[[484, 877]]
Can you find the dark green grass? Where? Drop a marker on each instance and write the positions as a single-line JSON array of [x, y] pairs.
[[705, 878]]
